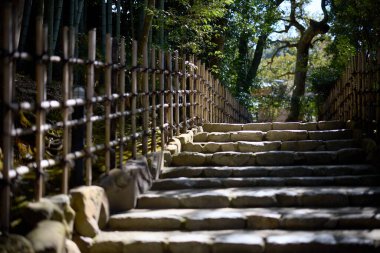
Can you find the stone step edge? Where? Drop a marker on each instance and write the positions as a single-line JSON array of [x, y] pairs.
[[246, 218], [215, 182], [270, 241], [320, 125], [250, 146], [269, 171], [268, 158]]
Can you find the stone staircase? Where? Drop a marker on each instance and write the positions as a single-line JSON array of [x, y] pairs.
[[266, 188]]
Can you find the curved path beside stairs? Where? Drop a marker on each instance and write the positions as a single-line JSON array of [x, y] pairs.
[[265, 188]]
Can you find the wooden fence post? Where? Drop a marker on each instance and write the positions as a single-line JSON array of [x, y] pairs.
[[7, 114], [145, 101], [192, 94], [169, 97], [108, 102], [161, 63], [134, 98], [41, 48], [89, 105], [176, 92], [154, 100], [122, 102]]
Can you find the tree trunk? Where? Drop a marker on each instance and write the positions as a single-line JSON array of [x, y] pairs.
[[104, 27], [109, 17], [242, 63], [118, 9], [162, 31], [255, 63], [18, 11], [57, 22], [299, 79], [148, 17], [25, 24]]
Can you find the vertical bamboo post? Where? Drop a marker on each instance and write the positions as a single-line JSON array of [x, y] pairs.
[[40, 113], [145, 101], [66, 111], [169, 97], [107, 80], [184, 94], [7, 115], [204, 93], [199, 92], [154, 102], [192, 94], [89, 105], [176, 92], [161, 63], [122, 102], [134, 99]]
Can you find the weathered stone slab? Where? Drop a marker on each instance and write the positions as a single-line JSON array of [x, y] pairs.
[[323, 198], [254, 198], [286, 125], [218, 127], [229, 146], [192, 243], [335, 145], [263, 220], [275, 158], [247, 136], [185, 138], [317, 157], [211, 147], [156, 201], [201, 137], [309, 126], [307, 145], [149, 220], [189, 158], [286, 135], [238, 242], [264, 127], [330, 134], [233, 159], [193, 147], [306, 220], [92, 209], [205, 200], [219, 137], [215, 220], [350, 155], [246, 146], [71, 247], [331, 125]]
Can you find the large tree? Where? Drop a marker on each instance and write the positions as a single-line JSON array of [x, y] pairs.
[[308, 31]]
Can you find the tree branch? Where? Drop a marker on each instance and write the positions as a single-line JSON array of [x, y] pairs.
[[288, 44], [293, 20]]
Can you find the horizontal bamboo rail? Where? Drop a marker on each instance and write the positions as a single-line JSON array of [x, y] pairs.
[[356, 95], [170, 93]]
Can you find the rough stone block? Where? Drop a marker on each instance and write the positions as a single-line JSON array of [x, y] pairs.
[[238, 242], [84, 243], [92, 209], [155, 163], [350, 155], [189, 159], [205, 200], [156, 202], [229, 146], [64, 203], [233, 159], [307, 145], [193, 147], [330, 134], [331, 125], [218, 127], [264, 127], [244, 146], [174, 146], [275, 158], [219, 137], [48, 236], [334, 145], [71, 247], [201, 137], [247, 136], [189, 243], [286, 125], [15, 244], [185, 138], [211, 147], [317, 157], [309, 126], [263, 220], [286, 135]]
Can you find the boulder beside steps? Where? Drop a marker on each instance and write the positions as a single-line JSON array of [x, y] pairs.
[[259, 187]]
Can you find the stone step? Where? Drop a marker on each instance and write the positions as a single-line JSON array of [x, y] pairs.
[[246, 218], [199, 183], [270, 171], [262, 146], [269, 158], [273, 135], [310, 126], [241, 241], [262, 197]]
